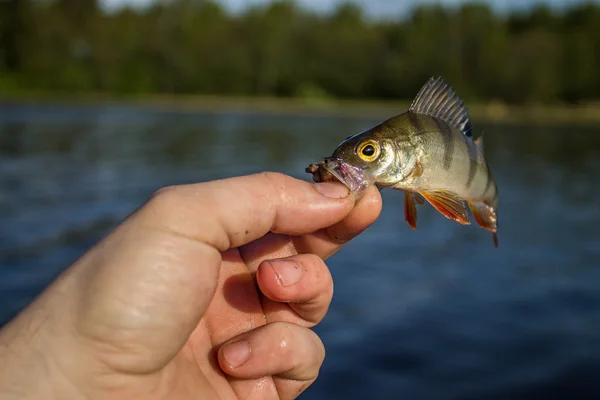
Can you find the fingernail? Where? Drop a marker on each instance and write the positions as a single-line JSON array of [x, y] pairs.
[[288, 272], [332, 190], [236, 353]]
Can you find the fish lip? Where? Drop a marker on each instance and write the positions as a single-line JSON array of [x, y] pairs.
[[357, 179]]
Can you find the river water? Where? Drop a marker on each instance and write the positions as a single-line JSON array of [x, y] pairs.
[[434, 314]]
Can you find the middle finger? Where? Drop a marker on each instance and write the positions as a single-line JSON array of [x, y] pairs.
[[300, 288], [323, 244]]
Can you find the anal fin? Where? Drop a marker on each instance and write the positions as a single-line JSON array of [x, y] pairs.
[[448, 204], [486, 218], [410, 210]]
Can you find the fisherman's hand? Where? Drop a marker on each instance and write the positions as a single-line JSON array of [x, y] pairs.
[[207, 291]]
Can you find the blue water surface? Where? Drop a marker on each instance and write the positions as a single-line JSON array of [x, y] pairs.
[[434, 314]]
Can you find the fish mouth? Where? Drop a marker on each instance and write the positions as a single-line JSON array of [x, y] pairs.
[[357, 179]]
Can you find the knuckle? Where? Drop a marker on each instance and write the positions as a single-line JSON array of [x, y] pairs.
[[312, 359], [165, 191], [165, 199], [305, 353], [329, 281], [290, 342], [321, 354], [274, 188], [277, 182], [319, 350], [274, 178]]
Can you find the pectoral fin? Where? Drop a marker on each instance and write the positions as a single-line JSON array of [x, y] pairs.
[[410, 210], [486, 218], [448, 204]]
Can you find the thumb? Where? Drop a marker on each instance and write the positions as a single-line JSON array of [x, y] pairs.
[[143, 290]]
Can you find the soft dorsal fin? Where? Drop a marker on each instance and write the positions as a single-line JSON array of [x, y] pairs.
[[438, 100]]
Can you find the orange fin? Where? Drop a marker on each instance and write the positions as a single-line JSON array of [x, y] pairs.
[[486, 218], [448, 204], [410, 210]]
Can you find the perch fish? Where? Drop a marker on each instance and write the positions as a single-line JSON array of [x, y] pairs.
[[429, 153]]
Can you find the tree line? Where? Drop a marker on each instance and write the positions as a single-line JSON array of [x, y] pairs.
[[196, 47]]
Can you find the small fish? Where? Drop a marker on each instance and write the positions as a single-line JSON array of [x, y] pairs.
[[429, 153]]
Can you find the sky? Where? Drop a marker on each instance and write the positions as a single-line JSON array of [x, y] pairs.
[[375, 8]]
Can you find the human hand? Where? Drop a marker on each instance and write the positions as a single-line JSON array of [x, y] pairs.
[[152, 310]]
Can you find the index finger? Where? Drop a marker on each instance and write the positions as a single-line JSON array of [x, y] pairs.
[[232, 212]]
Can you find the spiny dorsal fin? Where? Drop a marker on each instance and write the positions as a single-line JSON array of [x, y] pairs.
[[438, 100]]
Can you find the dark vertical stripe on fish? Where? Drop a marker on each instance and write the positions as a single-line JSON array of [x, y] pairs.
[[414, 120], [447, 137], [472, 170], [488, 183]]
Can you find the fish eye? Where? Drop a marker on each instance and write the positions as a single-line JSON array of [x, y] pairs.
[[368, 150]]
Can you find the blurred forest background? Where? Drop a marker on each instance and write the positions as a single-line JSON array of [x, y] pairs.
[[195, 47]]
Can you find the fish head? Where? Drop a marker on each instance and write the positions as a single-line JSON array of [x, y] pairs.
[[369, 158]]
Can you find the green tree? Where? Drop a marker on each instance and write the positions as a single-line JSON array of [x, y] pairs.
[[15, 33], [195, 46]]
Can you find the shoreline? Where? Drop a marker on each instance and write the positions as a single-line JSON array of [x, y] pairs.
[[491, 112]]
